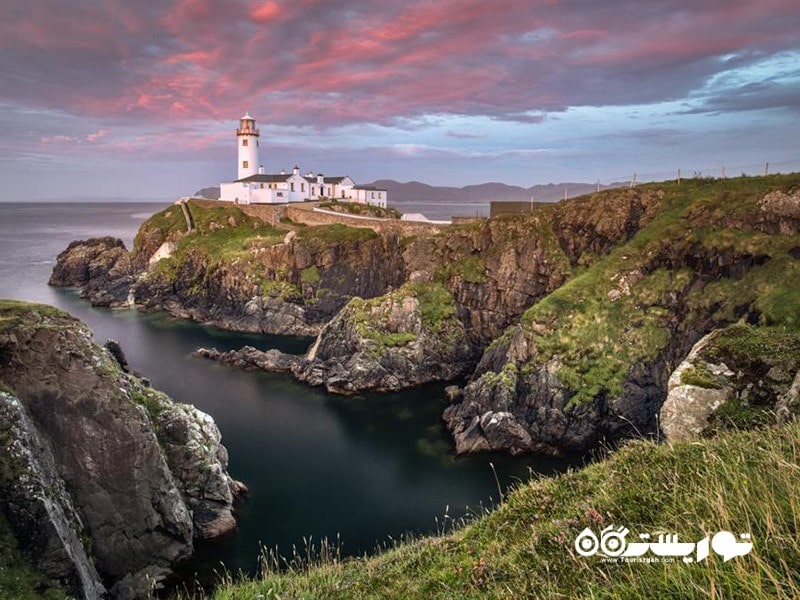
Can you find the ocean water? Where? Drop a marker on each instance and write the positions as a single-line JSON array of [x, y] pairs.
[[361, 470]]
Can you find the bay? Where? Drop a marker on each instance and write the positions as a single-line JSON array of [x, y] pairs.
[[361, 470]]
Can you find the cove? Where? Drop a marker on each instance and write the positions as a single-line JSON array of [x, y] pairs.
[[360, 468]]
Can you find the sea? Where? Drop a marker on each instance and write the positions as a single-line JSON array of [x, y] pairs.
[[360, 471]]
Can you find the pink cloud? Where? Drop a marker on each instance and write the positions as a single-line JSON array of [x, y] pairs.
[[321, 63], [268, 11]]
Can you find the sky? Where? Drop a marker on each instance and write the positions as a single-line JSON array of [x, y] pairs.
[[140, 99]]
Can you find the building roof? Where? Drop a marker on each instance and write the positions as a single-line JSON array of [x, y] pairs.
[[335, 179], [368, 188], [262, 178]]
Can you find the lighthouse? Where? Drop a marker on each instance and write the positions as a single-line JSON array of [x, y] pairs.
[[247, 142]]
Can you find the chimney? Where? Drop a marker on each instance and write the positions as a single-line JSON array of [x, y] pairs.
[[260, 169]]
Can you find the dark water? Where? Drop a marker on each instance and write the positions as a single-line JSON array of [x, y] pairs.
[[364, 468]]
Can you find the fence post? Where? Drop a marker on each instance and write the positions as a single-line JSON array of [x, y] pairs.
[[766, 168]]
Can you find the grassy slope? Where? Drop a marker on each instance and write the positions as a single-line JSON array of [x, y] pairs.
[[740, 481]]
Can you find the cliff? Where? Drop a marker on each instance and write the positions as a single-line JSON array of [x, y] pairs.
[[104, 481], [575, 314], [591, 361]]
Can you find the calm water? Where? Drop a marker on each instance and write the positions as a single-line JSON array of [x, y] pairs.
[[317, 465]]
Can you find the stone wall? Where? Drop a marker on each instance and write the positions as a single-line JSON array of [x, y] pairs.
[[303, 212], [307, 215]]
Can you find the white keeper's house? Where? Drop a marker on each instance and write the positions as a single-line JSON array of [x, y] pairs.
[[254, 186]]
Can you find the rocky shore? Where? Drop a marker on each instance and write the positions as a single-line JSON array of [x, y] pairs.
[[105, 482]]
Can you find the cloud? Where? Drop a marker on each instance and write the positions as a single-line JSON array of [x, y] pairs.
[[465, 135], [326, 64]]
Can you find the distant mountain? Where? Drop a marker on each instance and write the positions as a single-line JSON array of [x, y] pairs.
[[212, 193], [414, 191]]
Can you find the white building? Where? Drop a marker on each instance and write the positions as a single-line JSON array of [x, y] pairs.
[[253, 186]]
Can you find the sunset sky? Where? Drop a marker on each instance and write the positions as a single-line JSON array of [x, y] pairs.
[[140, 98]]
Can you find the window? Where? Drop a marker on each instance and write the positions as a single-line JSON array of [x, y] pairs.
[[292, 184], [329, 191], [313, 191], [262, 186], [256, 143], [373, 196], [244, 142], [302, 187], [245, 164]]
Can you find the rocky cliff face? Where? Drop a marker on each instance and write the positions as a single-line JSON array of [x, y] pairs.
[[101, 267], [35, 501], [581, 309], [142, 476], [404, 339], [591, 361]]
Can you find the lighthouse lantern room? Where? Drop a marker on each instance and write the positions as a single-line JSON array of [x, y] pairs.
[[247, 137]]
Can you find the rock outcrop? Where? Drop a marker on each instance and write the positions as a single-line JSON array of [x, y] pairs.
[[102, 267], [404, 339], [737, 377], [401, 340], [143, 476], [694, 391]]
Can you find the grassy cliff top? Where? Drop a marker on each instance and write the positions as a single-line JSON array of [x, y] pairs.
[[15, 312], [739, 481]]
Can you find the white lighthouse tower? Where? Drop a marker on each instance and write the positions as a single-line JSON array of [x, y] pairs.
[[247, 142]]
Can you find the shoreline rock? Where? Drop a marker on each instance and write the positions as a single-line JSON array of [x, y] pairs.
[[146, 476]]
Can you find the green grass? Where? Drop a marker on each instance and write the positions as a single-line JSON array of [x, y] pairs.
[[165, 222], [310, 275], [700, 376], [744, 344], [436, 309], [356, 208], [471, 268], [436, 305], [337, 232], [14, 312], [283, 290], [740, 482]]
